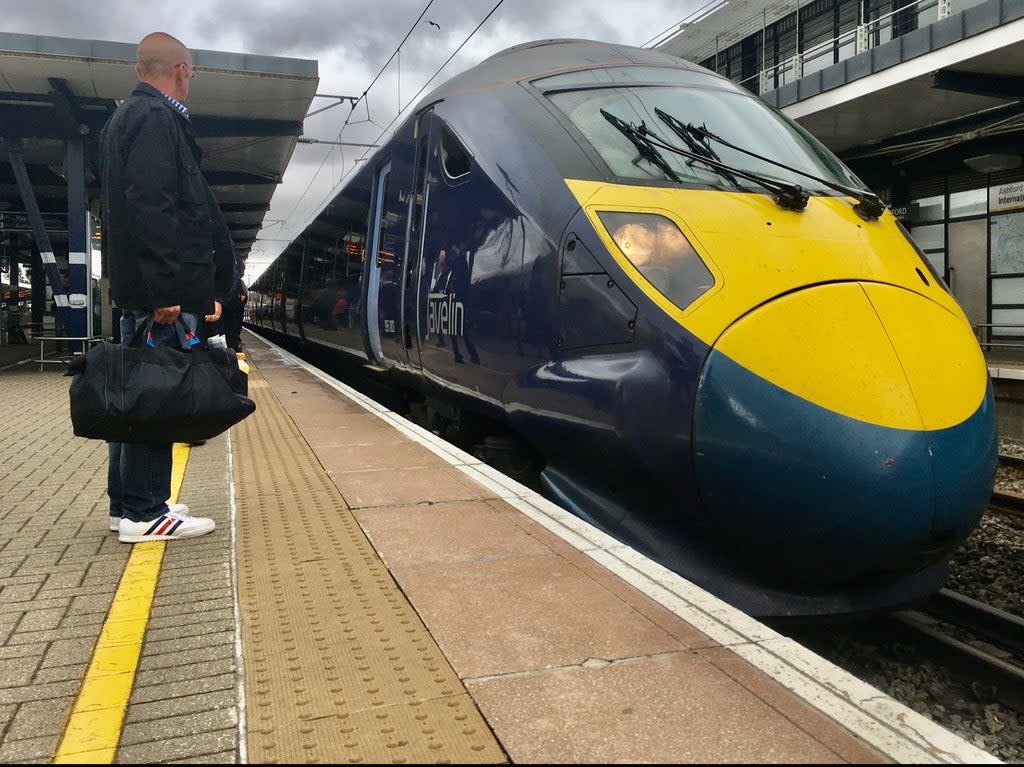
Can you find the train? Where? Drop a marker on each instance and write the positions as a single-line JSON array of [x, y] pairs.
[[712, 340]]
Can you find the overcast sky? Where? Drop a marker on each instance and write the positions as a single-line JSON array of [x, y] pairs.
[[351, 40]]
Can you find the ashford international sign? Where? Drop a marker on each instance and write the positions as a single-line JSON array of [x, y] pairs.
[[1006, 197]]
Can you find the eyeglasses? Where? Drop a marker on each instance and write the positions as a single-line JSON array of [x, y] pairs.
[[191, 70]]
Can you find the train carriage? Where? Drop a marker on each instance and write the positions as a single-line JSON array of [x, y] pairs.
[[720, 346]]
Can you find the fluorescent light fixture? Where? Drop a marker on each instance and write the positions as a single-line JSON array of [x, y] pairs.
[[993, 162]]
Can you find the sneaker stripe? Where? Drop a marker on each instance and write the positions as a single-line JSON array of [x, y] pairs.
[[156, 523], [171, 531], [167, 522], [160, 525]]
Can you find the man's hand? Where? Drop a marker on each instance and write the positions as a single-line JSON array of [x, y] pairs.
[[216, 312], [166, 315]]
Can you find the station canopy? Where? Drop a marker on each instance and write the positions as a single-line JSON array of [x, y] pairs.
[[247, 113]]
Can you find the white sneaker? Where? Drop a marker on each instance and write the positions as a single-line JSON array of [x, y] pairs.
[[166, 527], [179, 509]]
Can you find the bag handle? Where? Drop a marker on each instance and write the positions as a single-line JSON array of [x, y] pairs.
[[143, 335]]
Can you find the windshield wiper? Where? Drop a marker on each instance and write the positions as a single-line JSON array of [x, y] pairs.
[[700, 147], [868, 207], [787, 195], [643, 146]]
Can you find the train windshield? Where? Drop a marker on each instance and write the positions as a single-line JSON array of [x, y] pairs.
[[693, 98]]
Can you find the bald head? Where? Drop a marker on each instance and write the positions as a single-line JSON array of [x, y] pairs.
[[159, 53], [158, 61]]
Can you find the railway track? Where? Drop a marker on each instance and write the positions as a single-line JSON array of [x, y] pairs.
[[1011, 504], [1003, 502], [1013, 461], [980, 644]]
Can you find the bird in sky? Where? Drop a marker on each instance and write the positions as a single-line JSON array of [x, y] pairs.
[[433, 23]]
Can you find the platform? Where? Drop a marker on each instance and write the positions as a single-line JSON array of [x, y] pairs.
[[373, 595]]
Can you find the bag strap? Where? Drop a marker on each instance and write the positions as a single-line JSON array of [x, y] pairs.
[[143, 334]]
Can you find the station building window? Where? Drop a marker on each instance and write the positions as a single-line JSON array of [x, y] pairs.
[[931, 239], [973, 233], [972, 202]]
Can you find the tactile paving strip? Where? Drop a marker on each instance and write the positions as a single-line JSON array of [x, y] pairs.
[[338, 665]]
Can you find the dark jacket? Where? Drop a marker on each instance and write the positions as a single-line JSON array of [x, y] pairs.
[[235, 286], [160, 217]]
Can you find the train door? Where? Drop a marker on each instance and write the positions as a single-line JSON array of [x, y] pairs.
[[301, 301], [277, 300], [388, 211], [374, 321], [967, 250], [418, 272]]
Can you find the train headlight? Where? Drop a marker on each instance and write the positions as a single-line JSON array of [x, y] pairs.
[[661, 254]]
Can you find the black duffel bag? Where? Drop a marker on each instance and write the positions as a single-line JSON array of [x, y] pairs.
[[138, 393]]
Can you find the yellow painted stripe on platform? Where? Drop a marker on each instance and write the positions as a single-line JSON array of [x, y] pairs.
[[94, 727]]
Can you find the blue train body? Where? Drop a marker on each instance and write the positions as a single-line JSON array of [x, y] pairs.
[[741, 367]]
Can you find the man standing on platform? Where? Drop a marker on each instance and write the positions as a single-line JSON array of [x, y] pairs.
[[159, 232]]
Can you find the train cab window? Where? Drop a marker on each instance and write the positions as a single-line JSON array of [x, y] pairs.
[[661, 254], [598, 110], [454, 159]]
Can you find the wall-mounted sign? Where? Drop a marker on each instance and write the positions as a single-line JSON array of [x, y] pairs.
[[1006, 197]]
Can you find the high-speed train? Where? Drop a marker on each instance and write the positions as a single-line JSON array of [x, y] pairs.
[[722, 348]]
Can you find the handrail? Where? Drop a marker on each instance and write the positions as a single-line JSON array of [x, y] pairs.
[[787, 70], [983, 332], [85, 340]]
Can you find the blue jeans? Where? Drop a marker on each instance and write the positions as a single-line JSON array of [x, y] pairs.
[[139, 473]]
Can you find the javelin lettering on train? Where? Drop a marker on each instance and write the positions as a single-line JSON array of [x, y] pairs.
[[445, 315]]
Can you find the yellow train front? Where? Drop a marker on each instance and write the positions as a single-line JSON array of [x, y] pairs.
[[725, 351], [841, 424], [843, 433]]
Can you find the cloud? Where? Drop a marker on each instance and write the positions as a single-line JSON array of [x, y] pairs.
[[351, 42]]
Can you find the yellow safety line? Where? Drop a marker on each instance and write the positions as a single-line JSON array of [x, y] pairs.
[[94, 727]]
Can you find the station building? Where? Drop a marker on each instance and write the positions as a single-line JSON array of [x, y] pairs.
[[924, 100]]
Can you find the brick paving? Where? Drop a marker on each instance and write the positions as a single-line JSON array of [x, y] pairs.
[[59, 568]]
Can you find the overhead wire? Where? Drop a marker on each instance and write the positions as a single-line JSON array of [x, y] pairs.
[[362, 96], [411, 101]]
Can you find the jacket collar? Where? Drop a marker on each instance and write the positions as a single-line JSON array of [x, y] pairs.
[[145, 89]]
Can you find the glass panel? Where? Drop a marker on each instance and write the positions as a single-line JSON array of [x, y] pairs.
[[738, 117], [453, 157], [973, 202], [818, 59], [928, 208], [938, 261], [1008, 317], [661, 253], [1006, 235], [931, 237], [1008, 290]]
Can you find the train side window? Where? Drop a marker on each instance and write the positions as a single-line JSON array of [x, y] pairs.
[[454, 158]]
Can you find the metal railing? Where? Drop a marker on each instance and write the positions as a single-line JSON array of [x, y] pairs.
[[84, 340], [866, 35], [983, 332]]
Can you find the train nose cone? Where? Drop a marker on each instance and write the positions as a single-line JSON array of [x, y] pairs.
[[845, 431]]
